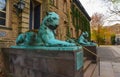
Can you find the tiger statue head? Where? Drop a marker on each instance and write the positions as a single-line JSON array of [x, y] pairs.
[[51, 20]]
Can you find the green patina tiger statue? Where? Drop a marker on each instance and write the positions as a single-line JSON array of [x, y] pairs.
[[82, 40], [45, 35]]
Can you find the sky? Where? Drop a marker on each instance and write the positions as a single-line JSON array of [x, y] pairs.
[[100, 6]]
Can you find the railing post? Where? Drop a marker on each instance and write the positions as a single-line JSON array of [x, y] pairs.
[[99, 65]]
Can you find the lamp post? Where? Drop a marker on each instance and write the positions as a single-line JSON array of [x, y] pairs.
[[19, 6]]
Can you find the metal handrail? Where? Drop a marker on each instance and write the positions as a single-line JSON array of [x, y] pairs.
[[91, 52], [98, 58]]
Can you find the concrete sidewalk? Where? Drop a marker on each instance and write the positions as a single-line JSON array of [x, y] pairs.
[[109, 61], [109, 69], [116, 51]]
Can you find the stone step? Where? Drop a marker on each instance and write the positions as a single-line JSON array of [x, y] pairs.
[[86, 65], [90, 70], [96, 71], [84, 59]]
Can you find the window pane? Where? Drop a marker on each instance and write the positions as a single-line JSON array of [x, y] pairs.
[[2, 12], [2, 22], [52, 2], [3, 5], [3, 15]]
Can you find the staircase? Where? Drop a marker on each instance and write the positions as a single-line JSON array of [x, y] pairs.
[[90, 68]]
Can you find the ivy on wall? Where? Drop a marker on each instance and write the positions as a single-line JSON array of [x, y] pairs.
[[80, 22], [113, 39], [85, 25]]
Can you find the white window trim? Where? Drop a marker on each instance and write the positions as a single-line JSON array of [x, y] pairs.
[[7, 18]]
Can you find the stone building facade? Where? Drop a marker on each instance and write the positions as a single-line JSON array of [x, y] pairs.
[[73, 18], [115, 28]]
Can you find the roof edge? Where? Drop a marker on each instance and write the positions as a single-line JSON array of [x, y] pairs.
[[80, 6]]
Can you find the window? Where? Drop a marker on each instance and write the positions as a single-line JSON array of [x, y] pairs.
[[54, 3], [35, 9], [65, 6], [73, 14], [2, 12], [77, 17], [71, 30]]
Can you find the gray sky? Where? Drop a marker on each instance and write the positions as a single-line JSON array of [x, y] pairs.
[[100, 6]]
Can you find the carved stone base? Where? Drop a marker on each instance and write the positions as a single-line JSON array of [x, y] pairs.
[[44, 63]]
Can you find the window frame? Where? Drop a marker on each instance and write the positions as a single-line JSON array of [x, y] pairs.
[[8, 15], [3, 13]]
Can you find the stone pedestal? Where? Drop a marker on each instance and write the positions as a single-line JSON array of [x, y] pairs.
[[44, 63], [90, 55]]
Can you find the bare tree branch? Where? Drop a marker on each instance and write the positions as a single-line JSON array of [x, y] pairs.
[[112, 20]]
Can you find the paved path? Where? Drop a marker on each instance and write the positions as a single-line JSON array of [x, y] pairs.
[[109, 61]]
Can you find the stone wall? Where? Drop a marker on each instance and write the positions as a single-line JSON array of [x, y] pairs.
[[3, 70], [43, 63]]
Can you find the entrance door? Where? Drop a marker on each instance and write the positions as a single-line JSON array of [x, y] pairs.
[[34, 15]]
